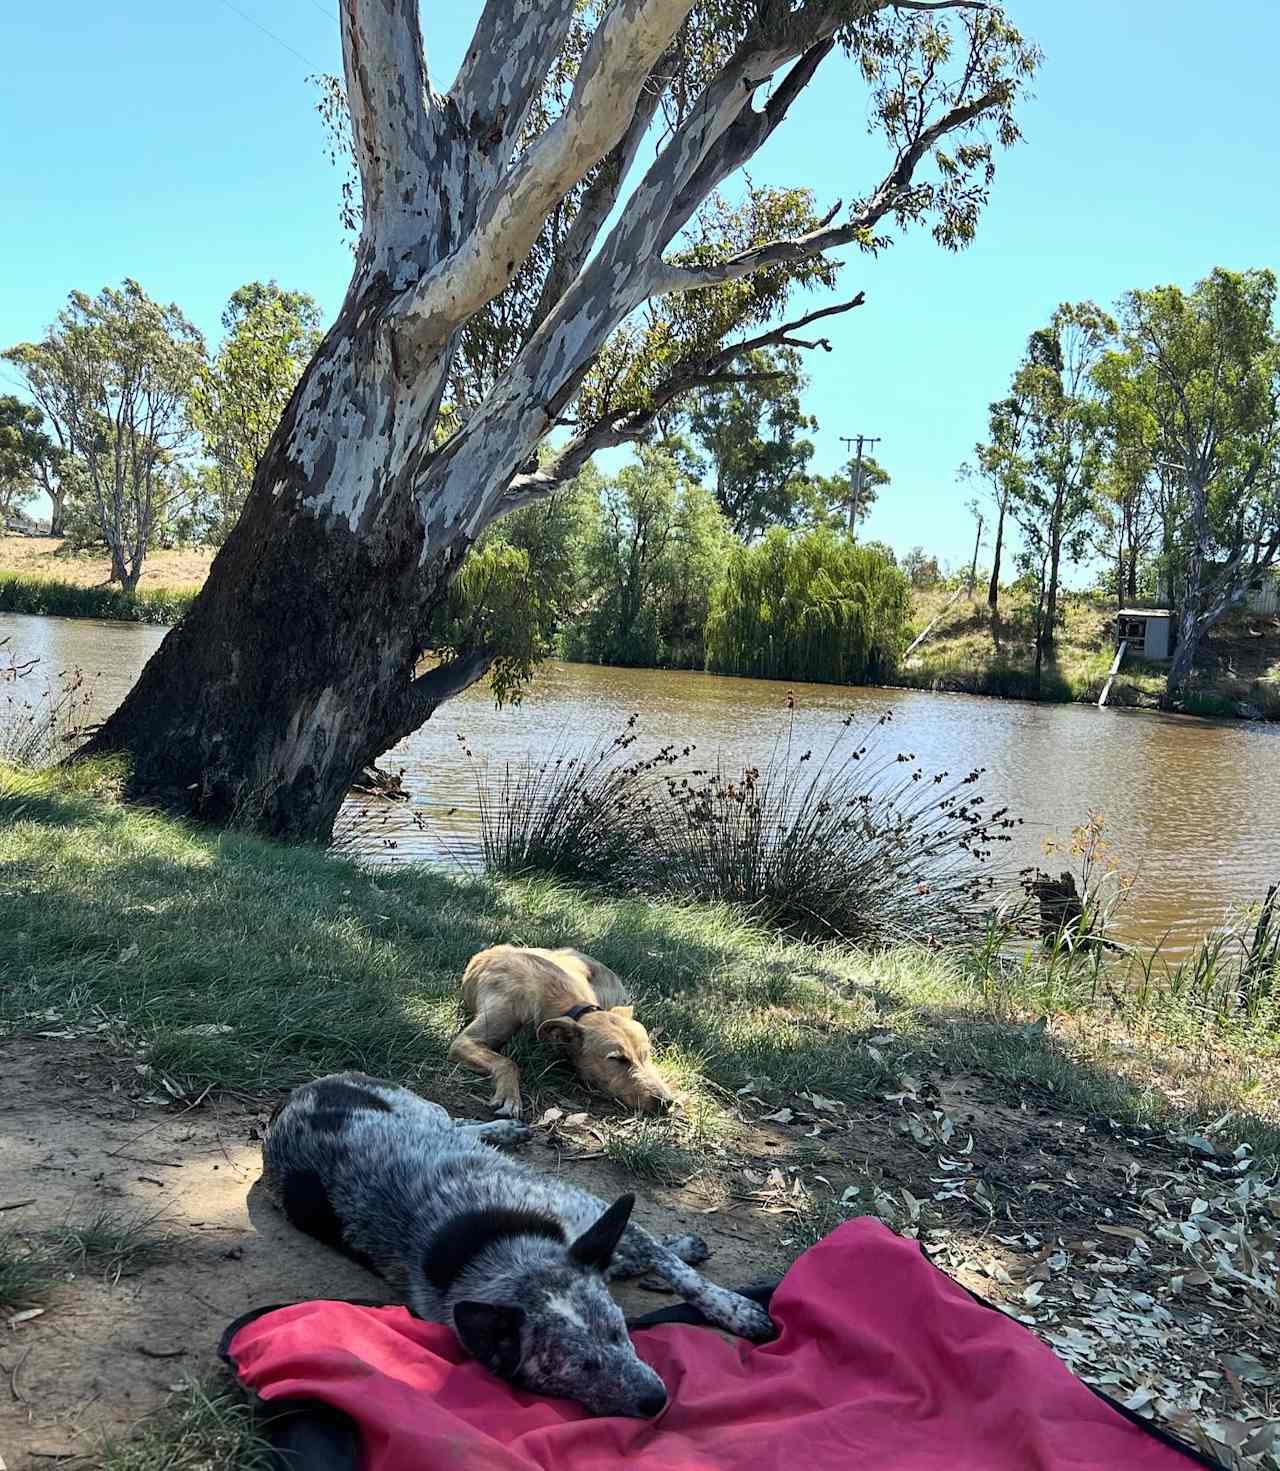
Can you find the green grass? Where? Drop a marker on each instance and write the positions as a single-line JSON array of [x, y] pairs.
[[53, 598], [242, 964], [110, 1243], [26, 1272], [236, 963], [1206, 703], [647, 1151], [204, 1427], [1003, 678]]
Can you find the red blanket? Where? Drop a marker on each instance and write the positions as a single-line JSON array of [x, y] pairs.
[[882, 1362]]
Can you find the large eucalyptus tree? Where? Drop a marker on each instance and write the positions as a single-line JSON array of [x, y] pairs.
[[545, 259]]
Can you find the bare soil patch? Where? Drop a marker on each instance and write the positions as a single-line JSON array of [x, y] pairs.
[[75, 1133], [1147, 1262]]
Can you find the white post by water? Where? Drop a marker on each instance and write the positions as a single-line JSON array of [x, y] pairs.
[[1115, 669]]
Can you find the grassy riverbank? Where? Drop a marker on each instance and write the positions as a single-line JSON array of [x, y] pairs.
[[182, 967], [246, 965], [973, 652], [50, 598]]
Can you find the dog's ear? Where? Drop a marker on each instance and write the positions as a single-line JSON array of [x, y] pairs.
[[597, 1244], [625, 1012], [490, 1333], [561, 1031]]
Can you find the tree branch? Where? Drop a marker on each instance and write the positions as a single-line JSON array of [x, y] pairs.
[[596, 204], [430, 690], [892, 190], [617, 63], [387, 88], [628, 425], [616, 280], [506, 65], [744, 137]]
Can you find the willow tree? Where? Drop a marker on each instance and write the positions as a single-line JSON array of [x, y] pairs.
[[808, 605], [550, 250]]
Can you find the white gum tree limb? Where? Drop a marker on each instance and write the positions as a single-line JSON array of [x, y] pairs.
[[606, 92], [512, 282]]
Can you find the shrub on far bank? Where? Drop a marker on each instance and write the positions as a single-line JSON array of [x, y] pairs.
[[810, 606], [1004, 679], [858, 843], [49, 597]]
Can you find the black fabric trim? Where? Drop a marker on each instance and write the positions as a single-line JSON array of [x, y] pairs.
[[576, 1013], [303, 1434], [685, 1312], [308, 1435], [458, 1243]]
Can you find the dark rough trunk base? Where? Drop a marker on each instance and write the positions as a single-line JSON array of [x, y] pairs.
[[288, 676]]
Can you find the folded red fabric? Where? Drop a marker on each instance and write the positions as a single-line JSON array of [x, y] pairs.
[[882, 1361]]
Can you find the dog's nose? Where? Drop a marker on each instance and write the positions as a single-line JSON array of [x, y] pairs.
[[653, 1403]]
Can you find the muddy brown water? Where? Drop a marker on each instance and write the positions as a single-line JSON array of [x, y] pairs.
[[1192, 806]]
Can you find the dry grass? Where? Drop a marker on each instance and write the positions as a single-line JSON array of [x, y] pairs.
[[50, 556], [974, 652]]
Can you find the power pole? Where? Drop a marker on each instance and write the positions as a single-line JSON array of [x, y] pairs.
[[859, 440]]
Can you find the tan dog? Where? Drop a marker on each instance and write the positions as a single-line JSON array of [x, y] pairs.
[[571, 1001]]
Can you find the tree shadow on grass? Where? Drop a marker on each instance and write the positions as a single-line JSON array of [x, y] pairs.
[[252, 966]]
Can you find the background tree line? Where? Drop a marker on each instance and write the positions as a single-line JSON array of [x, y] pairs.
[[136, 433], [1148, 442], [143, 437]]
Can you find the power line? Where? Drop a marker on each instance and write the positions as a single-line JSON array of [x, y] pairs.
[[257, 25]]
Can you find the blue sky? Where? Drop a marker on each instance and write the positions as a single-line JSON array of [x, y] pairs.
[[179, 144]]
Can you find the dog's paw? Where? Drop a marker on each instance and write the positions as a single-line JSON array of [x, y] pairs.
[[508, 1107], [750, 1321], [691, 1249], [506, 1132]]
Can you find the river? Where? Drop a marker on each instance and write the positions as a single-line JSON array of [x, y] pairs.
[[1192, 806]]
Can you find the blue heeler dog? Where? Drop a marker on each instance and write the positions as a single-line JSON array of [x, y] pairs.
[[515, 1261]]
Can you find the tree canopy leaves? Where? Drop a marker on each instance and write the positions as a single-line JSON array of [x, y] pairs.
[[238, 397]]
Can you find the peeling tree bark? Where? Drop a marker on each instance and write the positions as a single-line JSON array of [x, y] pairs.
[[297, 665]]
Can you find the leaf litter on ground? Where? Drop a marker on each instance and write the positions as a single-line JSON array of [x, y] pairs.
[[1169, 1302]]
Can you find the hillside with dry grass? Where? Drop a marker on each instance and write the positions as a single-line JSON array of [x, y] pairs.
[[51, 557], [972, 650]]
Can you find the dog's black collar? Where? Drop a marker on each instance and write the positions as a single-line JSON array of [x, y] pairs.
[[576, 1013]]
